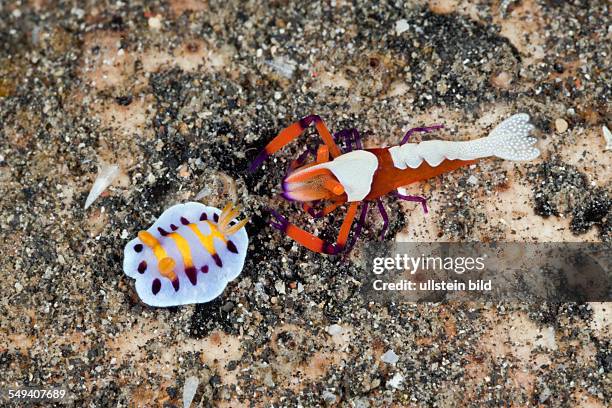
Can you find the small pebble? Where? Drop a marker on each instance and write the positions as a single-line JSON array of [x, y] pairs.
[[561, 125], [502, 80], [443, 6], [155, 22], [227, 307], [18, 287]]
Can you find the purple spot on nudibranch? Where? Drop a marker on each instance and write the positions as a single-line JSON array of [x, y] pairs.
[[173, 227], [138, 247], [192, 274], [175, 283], [142, 267], [184, 221], [203, 217], [217, 260], [156, 287], [204, 269], [232, 247], [162, 231], [216, 217]]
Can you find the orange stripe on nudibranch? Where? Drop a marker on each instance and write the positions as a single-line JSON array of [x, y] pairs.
[[183, 247], [207, 241], [165, 263]]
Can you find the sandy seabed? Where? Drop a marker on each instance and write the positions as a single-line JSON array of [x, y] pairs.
[[182, 94]]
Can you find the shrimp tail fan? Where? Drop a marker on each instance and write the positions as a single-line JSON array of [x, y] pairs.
[[510, 140]]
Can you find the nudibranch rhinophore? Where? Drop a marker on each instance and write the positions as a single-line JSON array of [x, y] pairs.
[[188, 255]]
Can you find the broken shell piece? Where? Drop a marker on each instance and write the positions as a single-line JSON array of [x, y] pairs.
[[389, 357], [282, 66], [107, 173], [607, 136], [189, 390], [401, 26], [188, 255]]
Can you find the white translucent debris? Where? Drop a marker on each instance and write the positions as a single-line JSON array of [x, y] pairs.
[[544, 395], [107, 173], [389, 357], [205, 192], [401, 26], [280, 287], [284, 67], [608, 136], [334, 329], [504, 7], [189, 390], [396, 381], [473, 180], [329, 397]]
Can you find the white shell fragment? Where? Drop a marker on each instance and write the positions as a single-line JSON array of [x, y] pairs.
[[389, 357], [396, 381], [401, 26], [188, 255], [189, 390], [607, 136], [284, 67], [107, 173], [334, 329]]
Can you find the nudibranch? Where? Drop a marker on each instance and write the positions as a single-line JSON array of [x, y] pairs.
[[188, 255]]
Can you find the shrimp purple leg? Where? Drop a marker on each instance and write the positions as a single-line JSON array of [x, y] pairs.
[[357, 139], [385, 217], [346, 135], [419, 129], [360, 224], [416, 199]]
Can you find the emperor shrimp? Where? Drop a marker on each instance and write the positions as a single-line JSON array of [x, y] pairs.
[[188, 255], [362, 176]]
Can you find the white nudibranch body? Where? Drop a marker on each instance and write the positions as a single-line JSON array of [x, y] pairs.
[[188, 255], [510, 140]]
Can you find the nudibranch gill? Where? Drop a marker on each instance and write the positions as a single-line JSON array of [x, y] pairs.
[[188, 255]]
